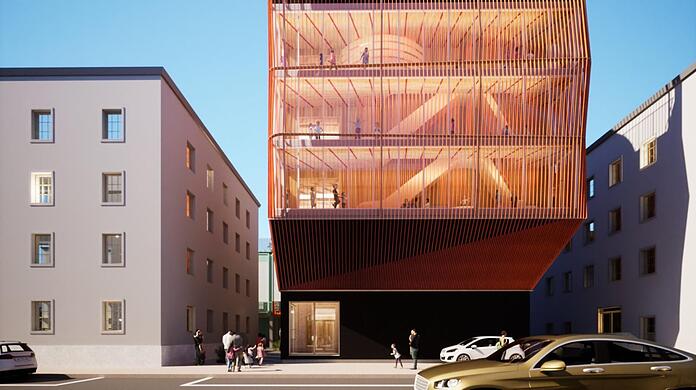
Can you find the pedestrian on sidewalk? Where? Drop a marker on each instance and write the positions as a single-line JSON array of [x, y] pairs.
[[227, 345], [413, 343], [249, 355], [261, 351], [237, 346], [198, 345], [397, 356]]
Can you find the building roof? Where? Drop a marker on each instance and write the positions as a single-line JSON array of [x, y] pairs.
[[125, 72], [652, 99]]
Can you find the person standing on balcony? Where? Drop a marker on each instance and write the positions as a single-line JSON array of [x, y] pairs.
[[336, 200], [452, 126], [332, 60], [365, 58], [318, 130], [312, 197], [427, 203], [358, 128], [413, 345], [343, 199], [321, 59]]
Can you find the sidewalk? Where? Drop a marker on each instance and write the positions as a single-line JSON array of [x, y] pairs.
[[275, 368]]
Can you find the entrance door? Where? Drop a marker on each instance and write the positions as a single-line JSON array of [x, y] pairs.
[[314, 328], [609, 320]]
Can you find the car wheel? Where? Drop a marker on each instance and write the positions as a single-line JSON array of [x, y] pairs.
[[463, 357], [515, 357]]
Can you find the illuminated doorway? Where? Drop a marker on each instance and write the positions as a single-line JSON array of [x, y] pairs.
[[314, 328], [609, 320]]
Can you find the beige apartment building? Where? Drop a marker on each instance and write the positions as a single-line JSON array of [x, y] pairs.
[[124, 227]]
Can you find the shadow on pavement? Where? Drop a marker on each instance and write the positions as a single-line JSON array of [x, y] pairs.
[[34, 378]]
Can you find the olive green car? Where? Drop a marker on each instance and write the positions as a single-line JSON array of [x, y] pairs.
[[569, 362]]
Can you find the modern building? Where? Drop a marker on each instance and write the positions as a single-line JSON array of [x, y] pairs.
[[426, 165], [632, 266], [269, 295], [124, 226]]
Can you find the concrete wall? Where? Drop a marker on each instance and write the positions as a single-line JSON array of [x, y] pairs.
[[179, 232], [669, 292], [77, 282]]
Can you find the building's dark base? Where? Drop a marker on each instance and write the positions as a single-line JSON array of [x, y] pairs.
[[371, 320]]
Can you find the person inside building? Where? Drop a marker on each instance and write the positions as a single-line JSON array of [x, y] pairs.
[[365, 57]]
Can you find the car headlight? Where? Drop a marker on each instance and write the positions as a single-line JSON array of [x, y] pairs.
[[446, 383], [450, 350]]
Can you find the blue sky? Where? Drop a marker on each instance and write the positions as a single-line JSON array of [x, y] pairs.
[[216, 52]]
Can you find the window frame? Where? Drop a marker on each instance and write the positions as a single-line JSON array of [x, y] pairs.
[[237, 242], [611, 164], [591, 190], [190, 205], [102, 321], [642, 266], [549, 289], [209, 178], [247, 250], [225, 278], [35, 113], [612, 275], [567, 282], [189, 262], [34, 192], [209, 220], [644, 163], [644, 334], [190, 318], [615, 228], [190, 157], [104, 190], [237, 283], [209, 321], [105, 125], [123, 250], [225, 190], [590, 235], [237, 208], [585, 278], [248, 219], [33, 252], [209, 264], [641, 209], [51, 311]]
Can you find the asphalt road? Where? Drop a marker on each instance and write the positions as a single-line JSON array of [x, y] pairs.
[[136, 382]]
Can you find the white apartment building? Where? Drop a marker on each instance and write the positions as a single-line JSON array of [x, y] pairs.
[[124, 227], [631, 267]]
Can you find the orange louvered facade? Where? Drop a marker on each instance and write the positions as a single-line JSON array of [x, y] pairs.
[[425, 145]]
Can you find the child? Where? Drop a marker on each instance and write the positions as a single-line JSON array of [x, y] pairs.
[[260, 352], [397, 356], [249, 356]]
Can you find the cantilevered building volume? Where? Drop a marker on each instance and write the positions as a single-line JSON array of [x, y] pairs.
[[426, 165]]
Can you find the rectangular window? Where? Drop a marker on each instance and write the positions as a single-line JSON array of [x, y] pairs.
[[113, 317], [190, 157], [225, 321], [616, 172], [549, 286], [248, 219], [112, 188], [42, 317], [567, 282], [589, 232], [647, 328], [190, 319], [237, 283], [615, 269], [42, 125], [609, 320], [648, 153], [209, 220], [237, 328], [647, 207], [225, 233], [225, 277], [224, 193], [113, 125], [314, 328], [41, 188], [42, 249], [209, 178], [237, 242], [209, 317], [588, 276], [247, 287], [112, 249], [615, 220], [209, 270], [190, 205], [590, 187], [248, 251], [189, 261], [237, 207], [647, 261]]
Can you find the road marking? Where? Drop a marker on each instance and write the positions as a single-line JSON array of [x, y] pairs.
[[198, 383], [50, 384]]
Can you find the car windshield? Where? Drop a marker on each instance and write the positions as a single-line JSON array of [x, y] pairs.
[[519, 351], [467, 341]]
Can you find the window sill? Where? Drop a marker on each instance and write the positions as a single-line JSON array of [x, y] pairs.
[[647, 220], [615, 184], [41, 265], [108, 204], [42, 332], [113, 332], [40, 141], [42, 204], [647, 166], [120, 265], [113, 141]]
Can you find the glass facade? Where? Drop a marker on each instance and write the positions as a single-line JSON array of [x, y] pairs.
[[314, 328]]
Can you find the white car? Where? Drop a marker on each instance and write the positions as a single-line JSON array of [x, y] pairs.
[[16, 358], [471, 349]]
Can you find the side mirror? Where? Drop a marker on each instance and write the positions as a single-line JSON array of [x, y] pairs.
[[473, 346], [553, 366]]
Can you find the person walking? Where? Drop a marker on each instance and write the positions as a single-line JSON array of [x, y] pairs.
[[332, 60], [200, 349], [261, 351], [365, 58], [502, 341], [237, 350], [413, 345], [397, 356], [227, 344], [249, 356]]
